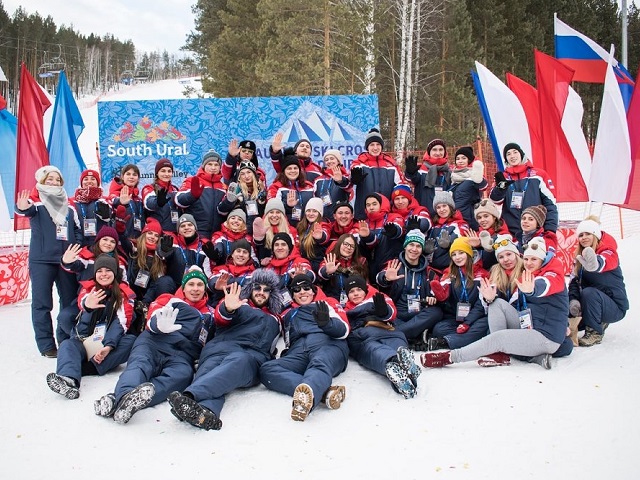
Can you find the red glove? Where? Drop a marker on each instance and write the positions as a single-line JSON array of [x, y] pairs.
[[121, 218], [196, 187], [439, 291], [462, 328]]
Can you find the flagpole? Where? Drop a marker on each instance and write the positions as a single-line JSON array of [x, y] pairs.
[[624, 33]]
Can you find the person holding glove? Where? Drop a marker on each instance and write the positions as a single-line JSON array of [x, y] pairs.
[[163, 356]]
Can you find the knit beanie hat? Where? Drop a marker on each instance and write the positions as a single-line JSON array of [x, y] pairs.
[[536, 248], [194, 272], [152, 225], [486, 205], [211, 156], [89, 173], [43, 172], [590, 225], [373, 136], [247, 164], [163, 162], [414, 236], [316, 204], [236, 212], [288, 160], [186, 217], [402, 191], [335, 153], [301, 280], [445, 197], [434, 142], [107, 231], [356, 281], [337, 205], [467, 152], [511, 146], [297, 144], [274, 204], [504, 243], [461, 244], [285, 237], [242, 243], [538, 212], [105, 260]]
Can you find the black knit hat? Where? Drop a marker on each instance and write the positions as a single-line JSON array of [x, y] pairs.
[[510, 146], [242, 243], [297, 144], [289, 160], [248, 144], [434, 142], [284, 236], [467, 152], [106, 261], [301, 280], [337, 205], [356, 281], [373, 136]]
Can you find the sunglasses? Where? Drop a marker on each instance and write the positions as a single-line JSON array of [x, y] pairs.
[[501, 243], [261, 288], [299, 288], [532, 246], [481, 203]]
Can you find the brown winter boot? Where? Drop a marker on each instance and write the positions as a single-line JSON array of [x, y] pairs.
[[573, 327]]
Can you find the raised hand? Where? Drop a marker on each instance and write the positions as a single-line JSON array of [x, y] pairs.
[[232, 300], [391, 272], [23, 200], [363, 229], [292, 198], [380, 307], [330, 264], [125, 195], [411, 164], [588, 259], [94, 298], [211, 251], [196, 187], [487, 290], [259, 230], [71, 254], [161, 197], [166, 319], [321, 314], [336, 173], [526, 283], [276, 145], [233, 148], [222, 281], [501, 181], [317, 231]]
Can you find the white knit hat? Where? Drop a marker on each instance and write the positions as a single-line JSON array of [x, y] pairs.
[[43, 172], [536, 248], [590, 225], [316, 204], [504, 243]]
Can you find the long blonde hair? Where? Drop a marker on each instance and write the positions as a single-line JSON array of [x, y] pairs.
[[255, 189], [305, 236], [157, 267], [283, 226], [503, 282]]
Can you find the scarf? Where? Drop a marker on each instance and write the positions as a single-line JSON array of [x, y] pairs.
[[55, 201], [459, 175], [88, 194]]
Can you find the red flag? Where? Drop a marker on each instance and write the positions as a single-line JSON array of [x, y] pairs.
[[553, 79], [633, 121], [31, 149], [528, 96]]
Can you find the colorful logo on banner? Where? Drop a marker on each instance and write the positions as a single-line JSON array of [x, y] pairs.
[[141, 132]]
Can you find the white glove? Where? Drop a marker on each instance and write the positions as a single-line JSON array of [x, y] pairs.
[[486, 241], [588, 259], [231, 192], [166, 319], [477, 171]]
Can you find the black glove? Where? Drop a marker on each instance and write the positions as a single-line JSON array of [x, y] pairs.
[[411, 164], [141, 308], [103, 211], [389, 230], [501, 181], [430, 246], [413, 223], [166, 245], [380, 307], [321, 314], [358, 175], [161, 197], [211, 251]]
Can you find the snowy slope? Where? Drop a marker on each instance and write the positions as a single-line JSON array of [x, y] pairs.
[[578, 420]]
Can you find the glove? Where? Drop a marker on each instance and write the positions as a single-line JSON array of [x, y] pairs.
[[380, 307], [462, 328], [231, 192], [121, 218], [439, 291], [259, 230], [358, 175], [321, 314], [486, 240], [413, 223], [166, 245], [444, 240], [575, 308], [211, 251], [430, 246], [588, 259], [196, 187], [103, 211], [501, 181], [141, 308], [411, 164], [389, 230], [166, 319], [161, 197], [262, 196]]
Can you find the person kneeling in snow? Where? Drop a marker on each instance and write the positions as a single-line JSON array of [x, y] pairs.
[[316, 328], [163, 356], [247, 329], [374, 342]]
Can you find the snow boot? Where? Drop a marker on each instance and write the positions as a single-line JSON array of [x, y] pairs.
[[408, 362], [105, 406], [186, 409], [302, 402], [135, 400], [65, 386], [399, 378], [334, 397]]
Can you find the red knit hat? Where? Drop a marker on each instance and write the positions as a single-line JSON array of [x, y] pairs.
[[402, 191], [163, 162], [89, 173], [152, 225]]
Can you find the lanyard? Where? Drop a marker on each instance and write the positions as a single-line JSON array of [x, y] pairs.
[[464, 297], [184, 256]]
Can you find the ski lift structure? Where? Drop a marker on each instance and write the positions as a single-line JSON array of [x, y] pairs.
[[53, 66], [127, 77], [141, 75]]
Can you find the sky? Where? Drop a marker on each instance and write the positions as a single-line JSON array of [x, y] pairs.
[[151, 25]]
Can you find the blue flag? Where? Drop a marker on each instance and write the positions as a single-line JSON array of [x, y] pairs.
[[66, 127], [8, 138]]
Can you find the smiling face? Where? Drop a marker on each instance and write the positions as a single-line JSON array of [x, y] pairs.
[[151, 237], [459, 258], [462, 161], [528, 223], [374, 149], [165, 174], [343, 216], [331, 161], [280, 249], [53, 180], [348, 248], [312, 215], [260, 295], [401, 202], [89, 181], [240, 256], [107, 244], [586, 239], [194, 290], [104, 277], [304, 296], [531, 263], [130, 178], [274, 217], [356, 295], [187, 229], [292, 172], [443, 210], [513, 157], [412, 252], [437, 151], [485, 220], [507, 259], [236, 224]]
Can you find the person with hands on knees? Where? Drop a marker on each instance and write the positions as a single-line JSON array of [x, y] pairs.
[[99, 343], [163, 357], [374, 342], [157, 197], [247, 328], [315, 328], [54, 226], [597, 292], [522, 185], [533, 326], [432, 176]]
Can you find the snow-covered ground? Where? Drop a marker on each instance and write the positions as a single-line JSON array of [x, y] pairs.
[[578, 420]]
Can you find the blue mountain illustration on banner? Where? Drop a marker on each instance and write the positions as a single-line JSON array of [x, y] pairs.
[[319, 125]]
